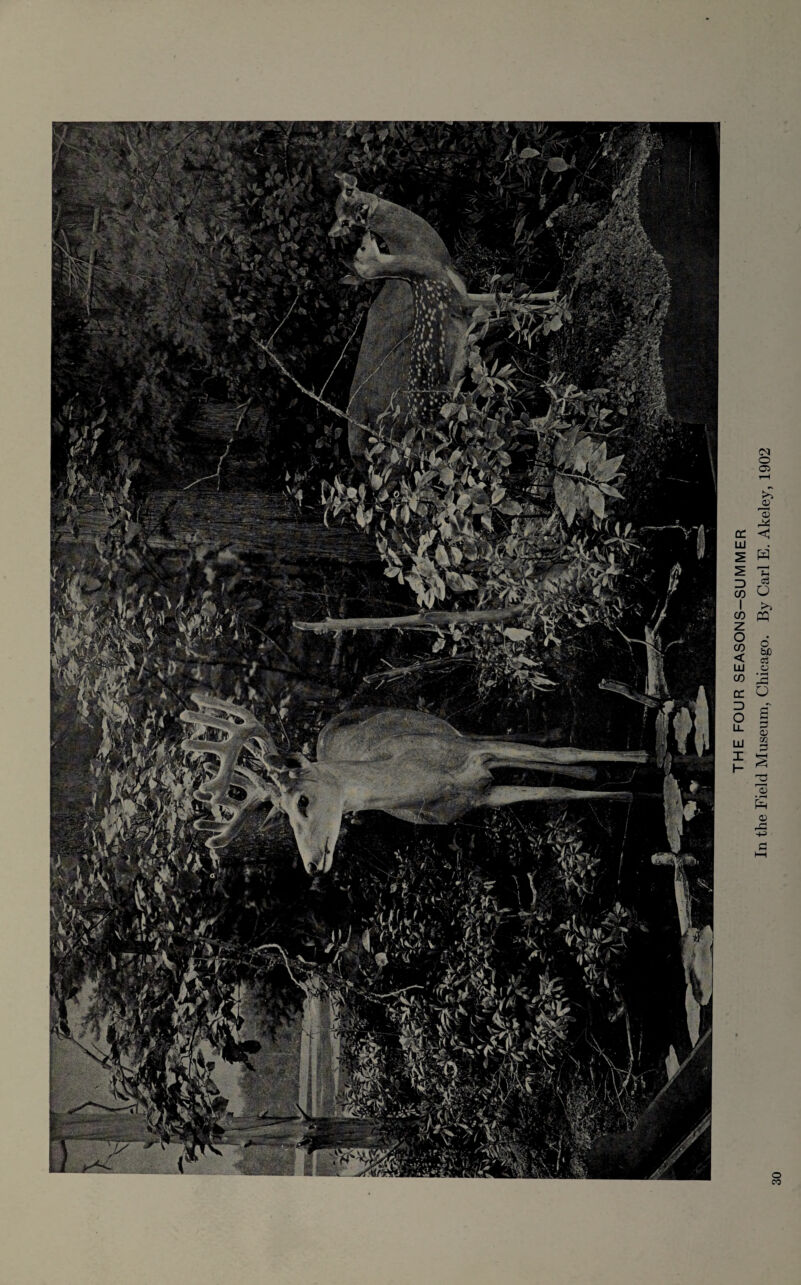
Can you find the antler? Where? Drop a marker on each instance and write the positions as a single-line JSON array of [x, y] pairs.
[[243, 731]]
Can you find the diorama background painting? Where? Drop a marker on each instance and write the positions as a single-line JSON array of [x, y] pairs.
[[466, 1232]]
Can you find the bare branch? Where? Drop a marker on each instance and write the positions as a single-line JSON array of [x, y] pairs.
[[284, 319], [216, 475], [101, 1105], [393, 672], [60, 143], [345, 346], [372, 432], [427, 620], [302, 985], [92, 256]]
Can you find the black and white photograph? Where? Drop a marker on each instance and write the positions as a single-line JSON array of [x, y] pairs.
[[399, 628], [384, 540]]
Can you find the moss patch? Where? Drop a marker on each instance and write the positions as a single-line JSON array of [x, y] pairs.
[[619, 293]]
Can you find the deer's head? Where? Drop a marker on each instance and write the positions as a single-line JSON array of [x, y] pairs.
[[310, 794], [312, 797], [353, 208]]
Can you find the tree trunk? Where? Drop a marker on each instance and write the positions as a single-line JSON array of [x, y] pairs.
[[247, 521], [319, 1134]]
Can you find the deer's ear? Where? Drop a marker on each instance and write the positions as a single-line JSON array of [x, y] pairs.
[[346, 181], [283, 769]]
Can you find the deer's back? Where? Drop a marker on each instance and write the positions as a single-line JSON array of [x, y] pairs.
[[382, 367], [380, 733]]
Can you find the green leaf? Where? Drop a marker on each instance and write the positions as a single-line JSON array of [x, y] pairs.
[[609, 468], [557, 165], [566, 496], [596, 501], [510, 507], [582, 454]]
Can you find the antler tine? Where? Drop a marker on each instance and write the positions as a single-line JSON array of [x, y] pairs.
[[224, 715], [222, 831], [256, 792], [242, 730]]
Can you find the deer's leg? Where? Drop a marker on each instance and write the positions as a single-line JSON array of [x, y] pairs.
[[512, 754], [576, 771], [500, 795]]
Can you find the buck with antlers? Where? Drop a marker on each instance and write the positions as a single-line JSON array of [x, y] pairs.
[[413, 347], [410, 764]]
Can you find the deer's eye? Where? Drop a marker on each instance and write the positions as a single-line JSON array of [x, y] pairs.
[[303, 805]]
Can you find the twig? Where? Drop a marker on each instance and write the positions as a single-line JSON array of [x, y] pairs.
[[383, 1156], [332, 372], [304, 986], [307, 391], [372, 373], [334, 410], [92, 256], [287, 137], [673, 584], [165, 152], [631, 1047], [59, 145], [244, 408], [404, 990], [641, 642], [616, 1070], [393, 673], [105, 1062], [99, 1164], [102, 1105], [672, 526], [284, 319]]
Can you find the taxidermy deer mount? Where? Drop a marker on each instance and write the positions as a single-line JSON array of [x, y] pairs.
[[413, 347], [405, 762]]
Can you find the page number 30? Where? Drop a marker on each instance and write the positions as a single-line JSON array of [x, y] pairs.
[[776, 1178]]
